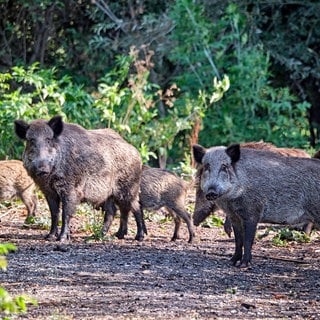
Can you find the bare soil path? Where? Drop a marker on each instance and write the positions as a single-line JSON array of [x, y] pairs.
[[157, 278]]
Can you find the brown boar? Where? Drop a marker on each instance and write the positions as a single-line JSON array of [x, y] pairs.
[[160, 188], [253, 186], [72, 165], [16, 183], [203, 208]]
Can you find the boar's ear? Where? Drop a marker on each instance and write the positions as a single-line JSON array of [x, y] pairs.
[[233, 151], [198, 152], [56, 125], [21, 128]]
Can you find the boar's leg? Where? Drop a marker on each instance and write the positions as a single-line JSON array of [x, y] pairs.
[[238, 237], [250, 228], [307, 228], [177, 214], [202, 208], [110, 211], [177, 223], [123, 228], [69, 206], [244, 233], [54, 207], [141, 227], [227, 226], [30, 202]]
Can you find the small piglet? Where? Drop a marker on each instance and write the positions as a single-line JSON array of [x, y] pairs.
[[161, 188], [16, 183], [72, 165], [253, 186]]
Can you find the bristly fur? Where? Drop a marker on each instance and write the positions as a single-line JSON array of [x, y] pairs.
[[71, 164], [264, 187]]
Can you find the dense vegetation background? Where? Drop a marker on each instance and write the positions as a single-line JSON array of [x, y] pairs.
[[165, 74]]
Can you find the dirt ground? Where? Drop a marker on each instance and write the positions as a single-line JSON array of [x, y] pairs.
[[157, 278]]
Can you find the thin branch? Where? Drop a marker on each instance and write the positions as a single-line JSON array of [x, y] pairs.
[[215, 70], [105, 8]]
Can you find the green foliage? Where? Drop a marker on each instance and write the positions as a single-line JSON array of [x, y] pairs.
[[292, 38], [93, 223], [286, 235], [232, 290], [126, 101], [196, 46], [213, 221], [5, 248], [11, 305], [39, 222], [30, 93], [199, 51], [143, 112], [252, 109]]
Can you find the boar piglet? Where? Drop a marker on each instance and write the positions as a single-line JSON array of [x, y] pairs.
[[72, 165], [16, 183], [253, 186], [160, 188], [203, 207]]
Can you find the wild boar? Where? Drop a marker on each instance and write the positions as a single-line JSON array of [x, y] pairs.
[[160, 188], [16, 183], [253, 186], [72, 165], [203, 207]]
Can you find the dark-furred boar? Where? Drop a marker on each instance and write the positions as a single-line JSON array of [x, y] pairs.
[[203, 207], [71, 165], [16, 183], [161, 188], [253, 186]]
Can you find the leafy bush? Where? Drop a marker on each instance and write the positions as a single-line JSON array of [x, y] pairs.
[[286, 235], [125, 100], [31, 93], [11, 305], [5, 248], [252, 109]]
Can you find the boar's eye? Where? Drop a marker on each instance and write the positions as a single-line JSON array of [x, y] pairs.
[[206, 167], [224, 167], [32, 141], [48, 141]]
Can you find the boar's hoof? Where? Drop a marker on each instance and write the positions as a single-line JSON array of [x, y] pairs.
[[120, 235], [63, 237], [61, 248], [51, 237], [235, 259], [245, 265], [174, 238], [139, 237]]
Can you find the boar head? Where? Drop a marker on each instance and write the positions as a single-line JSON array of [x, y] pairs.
[[41, 144], [218, 169]]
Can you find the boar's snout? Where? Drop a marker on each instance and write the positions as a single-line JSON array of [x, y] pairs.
[[41, 168], [212, 195], [200, 215], [196, 221]]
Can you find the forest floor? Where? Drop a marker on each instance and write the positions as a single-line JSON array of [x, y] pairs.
[[157, 278]]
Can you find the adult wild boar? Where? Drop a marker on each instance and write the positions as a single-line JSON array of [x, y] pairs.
[[71, 165], [16, 183], [160, 188], [253, 186], [203, 207]]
